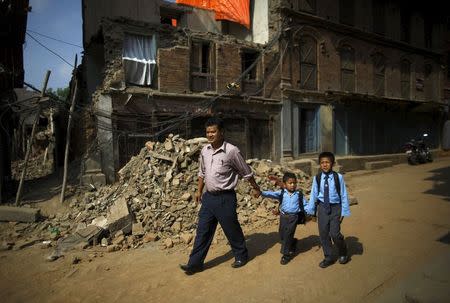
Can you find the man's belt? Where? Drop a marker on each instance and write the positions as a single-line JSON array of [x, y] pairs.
[[221, 192]]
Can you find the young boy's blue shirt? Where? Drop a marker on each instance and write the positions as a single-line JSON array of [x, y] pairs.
[[334, 197], [290, 200]]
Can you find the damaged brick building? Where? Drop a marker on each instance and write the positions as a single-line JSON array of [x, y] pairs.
[[13, 23], [354, 77]]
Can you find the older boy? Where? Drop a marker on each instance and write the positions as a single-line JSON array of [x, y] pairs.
[[328, 189]]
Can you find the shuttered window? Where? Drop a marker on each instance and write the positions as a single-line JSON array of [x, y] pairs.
[[379, 16], [202, 66], [308, 63], [347, 12], [429, 83], [405, 25], [308, 6], [250, 83], [379, 68], [405, 71], [347, 69]]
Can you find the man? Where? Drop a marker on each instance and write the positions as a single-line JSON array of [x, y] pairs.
[[220, 166]]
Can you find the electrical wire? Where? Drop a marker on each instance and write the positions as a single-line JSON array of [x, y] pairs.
[[68, 43], [154, 129], [53, 52]]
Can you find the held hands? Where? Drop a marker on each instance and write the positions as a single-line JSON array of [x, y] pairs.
[[255, 192]]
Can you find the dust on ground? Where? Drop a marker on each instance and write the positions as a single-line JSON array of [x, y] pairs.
[[397, 232]]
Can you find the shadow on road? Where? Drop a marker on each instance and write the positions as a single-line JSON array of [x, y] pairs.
[[257, 245], [441, 183], [354, 247]]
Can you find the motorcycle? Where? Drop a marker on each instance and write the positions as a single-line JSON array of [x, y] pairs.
[[417, 151]]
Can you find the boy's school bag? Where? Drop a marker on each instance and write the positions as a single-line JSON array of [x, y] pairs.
[[301, 215]]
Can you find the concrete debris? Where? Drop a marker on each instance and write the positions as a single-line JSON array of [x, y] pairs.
[[119, 217], [19, 214]]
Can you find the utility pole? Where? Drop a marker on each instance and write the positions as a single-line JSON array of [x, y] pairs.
[[30, 141], [69, 125]]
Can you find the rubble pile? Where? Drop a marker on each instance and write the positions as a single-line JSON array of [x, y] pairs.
[[152, 201], [36, 168], [154, 198]]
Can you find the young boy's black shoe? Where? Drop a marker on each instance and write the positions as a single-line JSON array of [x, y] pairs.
[[343, 259], [325, 263], [285, 259]]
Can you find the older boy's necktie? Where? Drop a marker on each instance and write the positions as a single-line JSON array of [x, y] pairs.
[[326, 195]]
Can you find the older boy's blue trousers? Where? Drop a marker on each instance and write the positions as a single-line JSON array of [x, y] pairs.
[[330, 228]]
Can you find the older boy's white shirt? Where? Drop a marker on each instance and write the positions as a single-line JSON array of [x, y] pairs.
[[334, 197]]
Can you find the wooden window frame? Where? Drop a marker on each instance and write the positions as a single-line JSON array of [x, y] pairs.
[[307, 63], [379, 74], [405, 79], [347, 16], [202, 69], [348, 68]]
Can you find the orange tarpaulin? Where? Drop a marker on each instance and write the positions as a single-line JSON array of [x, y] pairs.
[[205, 4], [233, 10]]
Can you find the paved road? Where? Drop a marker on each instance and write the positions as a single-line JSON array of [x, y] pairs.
[[398, 238]]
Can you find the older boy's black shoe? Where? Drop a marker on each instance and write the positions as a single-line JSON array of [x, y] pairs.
[[190, 270], [343, 259], [325, 263], [285, 260], [238, 263]]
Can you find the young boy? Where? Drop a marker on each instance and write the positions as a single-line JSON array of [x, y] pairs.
[[328, 189], [292, 202]]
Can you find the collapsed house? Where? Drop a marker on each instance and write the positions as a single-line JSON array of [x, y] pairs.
[[290, 78]]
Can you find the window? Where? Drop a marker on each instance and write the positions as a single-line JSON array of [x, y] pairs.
[[405, 77], [428, 32], [347, 69], [405, 26], [169, 14], [379, 74], [379, 17], [308, 63], [429, 83], [347, 12], [250, 81], [448, 65], [202, 66], [138, 57], [308, 6], [170, 21]]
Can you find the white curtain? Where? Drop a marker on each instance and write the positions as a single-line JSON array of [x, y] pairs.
[[139, 59]]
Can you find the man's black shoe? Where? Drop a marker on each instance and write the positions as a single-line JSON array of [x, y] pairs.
[[285, 260], [325, 263], [190, 270], [238, 263], [343, 259]]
